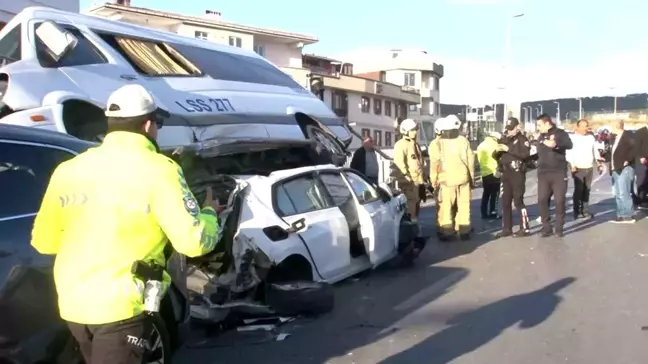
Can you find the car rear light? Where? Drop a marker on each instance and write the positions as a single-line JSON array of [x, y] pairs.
[[37, 118]]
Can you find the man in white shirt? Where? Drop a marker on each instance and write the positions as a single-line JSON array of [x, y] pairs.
[[582, 158]]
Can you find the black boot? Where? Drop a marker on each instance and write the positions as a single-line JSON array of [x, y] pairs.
[[577, 211]]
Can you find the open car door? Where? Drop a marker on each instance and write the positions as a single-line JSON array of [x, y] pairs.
[[379, 234]]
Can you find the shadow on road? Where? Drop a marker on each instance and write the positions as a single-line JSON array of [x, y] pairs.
[[470, 330], [366, 310]]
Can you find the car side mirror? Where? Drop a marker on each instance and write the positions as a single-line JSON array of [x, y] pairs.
[[297, 226], [57, 40]]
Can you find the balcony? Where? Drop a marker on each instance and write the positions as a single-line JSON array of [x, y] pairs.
[[355, 84]]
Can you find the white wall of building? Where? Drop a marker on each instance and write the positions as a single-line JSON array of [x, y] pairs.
[[282, 54], [9, 8], [217, 35]]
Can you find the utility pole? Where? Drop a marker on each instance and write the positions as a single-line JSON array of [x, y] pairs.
[[558, 113], [580, 108], [540, 108], [507, 62]]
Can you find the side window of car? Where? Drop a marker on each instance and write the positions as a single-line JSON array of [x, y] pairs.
[[25, 171], [300, 195], [361, 188], [337, 188], [84, 53]]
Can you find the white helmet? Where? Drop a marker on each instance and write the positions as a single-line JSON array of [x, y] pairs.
[[440, 125], [496, 135], [407, 125], [453, 122]]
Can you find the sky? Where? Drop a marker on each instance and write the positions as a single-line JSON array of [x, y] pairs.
[[559, 48]]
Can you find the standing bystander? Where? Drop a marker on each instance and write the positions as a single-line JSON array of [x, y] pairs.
[[641, 167], [552, 173], [582, 158], [621, 168], [365, 160]]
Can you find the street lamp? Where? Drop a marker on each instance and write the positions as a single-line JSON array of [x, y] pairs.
[[580, 108], [507, 60], [615, 101], [557, 112]]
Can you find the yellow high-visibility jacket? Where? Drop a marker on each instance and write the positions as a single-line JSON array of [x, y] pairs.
[[107, 208], [485, 150]]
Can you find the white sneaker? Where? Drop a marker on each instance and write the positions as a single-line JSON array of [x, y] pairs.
[[623, 220]]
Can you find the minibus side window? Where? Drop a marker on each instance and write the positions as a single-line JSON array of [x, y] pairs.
[[10, 46], [150, 57], [84, 53]]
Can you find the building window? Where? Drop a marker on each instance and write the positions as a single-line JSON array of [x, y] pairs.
[[365, 104], [413, 107], [260, 50], [378, 138], [366, 133], [339, 102], [235, 42], [347, 69], [383, 76], [10, 46], [388, 108], [201, 35], [377, 106], [388, 139], [410, 79]]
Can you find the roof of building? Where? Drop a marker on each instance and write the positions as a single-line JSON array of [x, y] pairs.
[[214, 23]]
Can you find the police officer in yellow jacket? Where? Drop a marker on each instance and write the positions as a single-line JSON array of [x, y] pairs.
[[105, 210], [452, 169], [408, 160]]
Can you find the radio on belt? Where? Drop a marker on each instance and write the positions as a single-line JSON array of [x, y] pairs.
[[152, 275]]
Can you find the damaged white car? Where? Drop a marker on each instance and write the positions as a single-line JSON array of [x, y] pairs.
[[289, 223]]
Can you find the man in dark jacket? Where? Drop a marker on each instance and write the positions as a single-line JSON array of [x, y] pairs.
[[512, 154], [622, 171], [365, 160], [641, 168], [553, 144]]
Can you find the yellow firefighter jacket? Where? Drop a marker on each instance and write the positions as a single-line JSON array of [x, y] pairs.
[[409, 161], [452, 162]]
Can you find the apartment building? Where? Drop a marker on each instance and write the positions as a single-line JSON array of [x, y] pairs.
[[9, 8], [282, 48], [372, 107], [413, 70]]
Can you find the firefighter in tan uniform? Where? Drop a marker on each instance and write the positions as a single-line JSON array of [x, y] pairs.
[[452, 169], [409, 166]]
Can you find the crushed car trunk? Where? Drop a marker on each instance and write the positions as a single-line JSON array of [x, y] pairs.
[[231, 279]]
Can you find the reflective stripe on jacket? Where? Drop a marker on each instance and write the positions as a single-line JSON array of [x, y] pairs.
[[107, 208], [452, 161]]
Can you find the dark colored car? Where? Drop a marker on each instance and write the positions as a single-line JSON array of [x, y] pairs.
[[31, 330]]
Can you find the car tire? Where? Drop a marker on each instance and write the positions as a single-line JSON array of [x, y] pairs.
[[159, 342], [300, 298]]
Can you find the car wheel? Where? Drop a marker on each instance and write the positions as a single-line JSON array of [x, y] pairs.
[[159, 350], [300, 298]]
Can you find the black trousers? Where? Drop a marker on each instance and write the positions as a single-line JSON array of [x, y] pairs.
[[514, 186], [490, 195], [582, 187], [641, 173], [552, 183], [122, 342]]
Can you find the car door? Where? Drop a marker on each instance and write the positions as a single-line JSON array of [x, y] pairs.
[[326, 234], [28, 301], [378, 227]]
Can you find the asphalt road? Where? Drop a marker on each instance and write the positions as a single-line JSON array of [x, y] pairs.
[[577, 299]]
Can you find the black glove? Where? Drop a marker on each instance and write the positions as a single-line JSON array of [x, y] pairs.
[[422, 193]]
